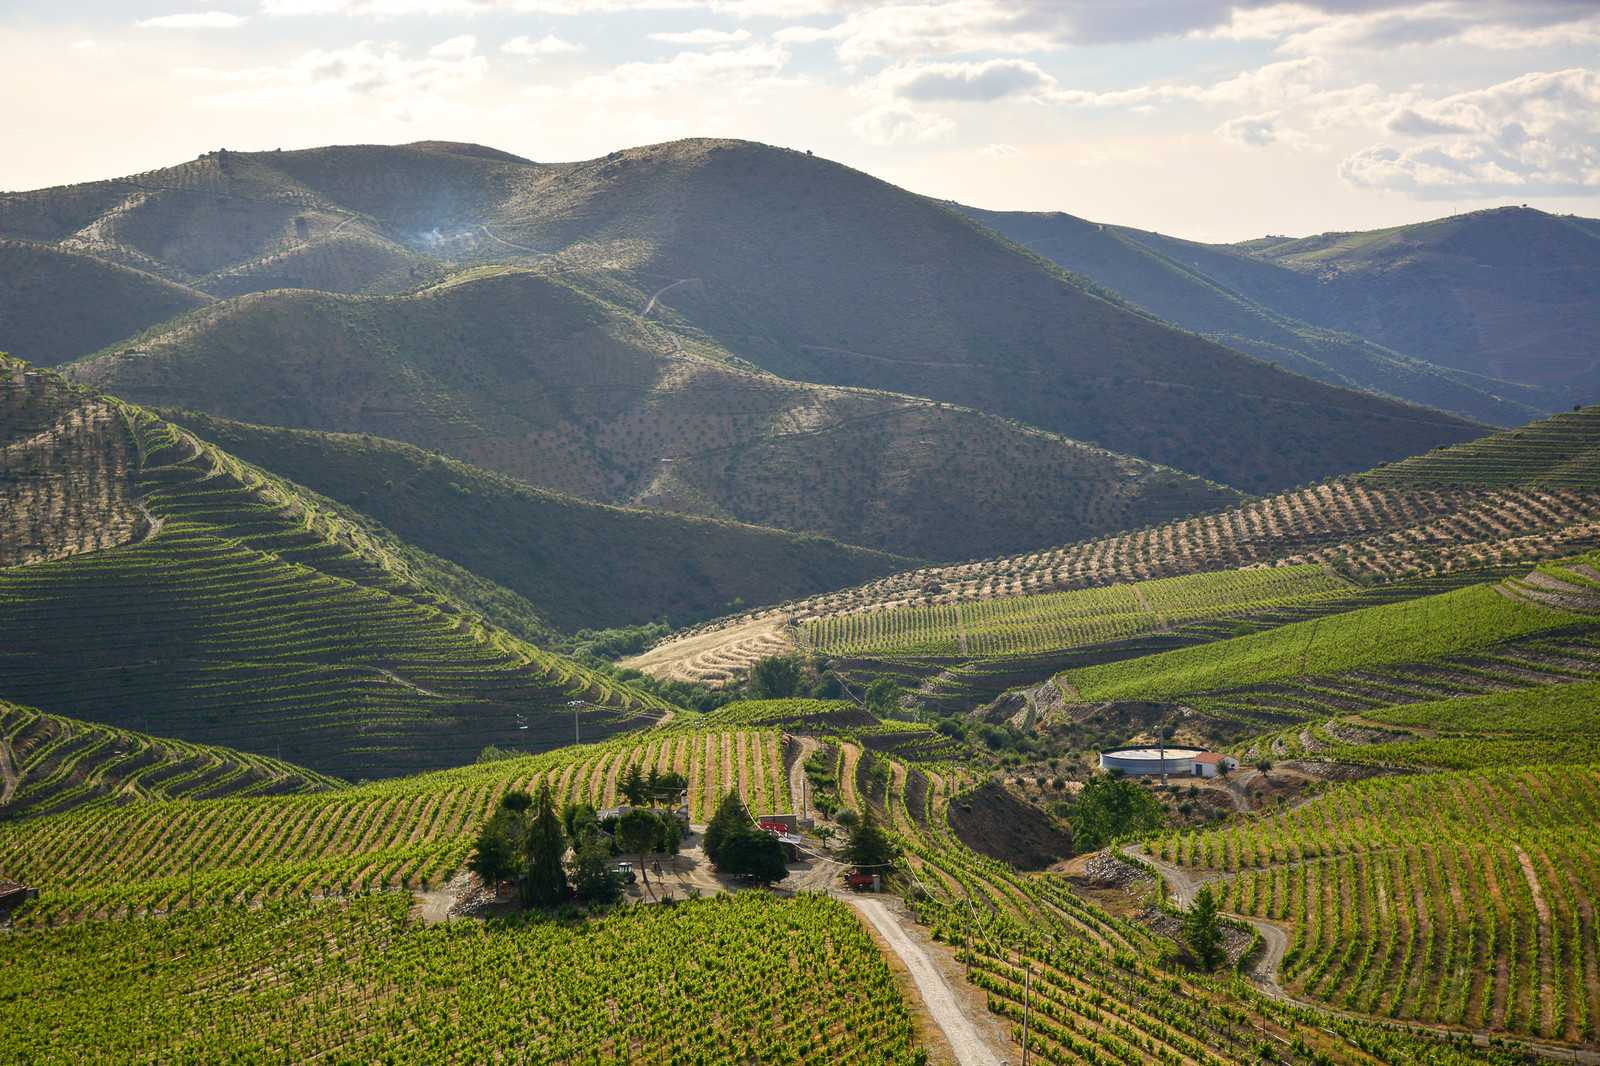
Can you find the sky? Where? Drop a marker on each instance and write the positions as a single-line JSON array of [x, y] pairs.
[[1204, 119]]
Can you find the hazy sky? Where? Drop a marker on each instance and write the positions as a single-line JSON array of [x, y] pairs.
[[1201, 118]]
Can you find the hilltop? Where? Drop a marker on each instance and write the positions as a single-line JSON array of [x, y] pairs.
[[1181, 292], [1508, 293], [793, 264], [522, 374]]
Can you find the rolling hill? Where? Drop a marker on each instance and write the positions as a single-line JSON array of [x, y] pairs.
[[580, 564], [521, 373], [802, 267], [232, 610], [60, 764], [1482, 510], [107, 301], [1508, 293], [1184, 295]]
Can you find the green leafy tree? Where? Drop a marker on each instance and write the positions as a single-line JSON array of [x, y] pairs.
[[883, 697], [517, 802], [1203, 931], [870, 845], [574, 816], [777, 677], [637, 833], [1109, 807], [750, 852], [730, 816], [591, 868], [824, 833], [494, 857], [543, 882], [671, 833], [667, 788]]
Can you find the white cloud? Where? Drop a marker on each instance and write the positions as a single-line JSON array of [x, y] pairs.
[[898, 124], [703, 37], [980, 82], [730, 69], [391, 9], [997, 150], [1537, 135], [549, 44], [194, 20], [364, 71], [1262, 131]]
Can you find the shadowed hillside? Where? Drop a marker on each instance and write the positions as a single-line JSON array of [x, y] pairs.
[[1183, 294], [522, 374], [56, 305], [1507, 293], [804, 267], [236, 611], [581, 564]]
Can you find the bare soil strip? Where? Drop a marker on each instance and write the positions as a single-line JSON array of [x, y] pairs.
[[9, 778], [965, 1041]]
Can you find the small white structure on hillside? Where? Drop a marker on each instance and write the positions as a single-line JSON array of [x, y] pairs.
[[1151, 761], [1210, 764], [1133, 761]]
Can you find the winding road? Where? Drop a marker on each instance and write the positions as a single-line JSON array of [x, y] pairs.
[[1263, 971]]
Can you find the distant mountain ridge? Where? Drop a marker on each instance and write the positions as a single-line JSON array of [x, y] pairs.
[[1507, 293], [788, 262], [1184, 294]]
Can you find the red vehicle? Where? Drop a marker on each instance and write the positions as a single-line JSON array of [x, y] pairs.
[[858, 881]]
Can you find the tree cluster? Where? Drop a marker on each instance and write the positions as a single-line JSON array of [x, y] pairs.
[[737, 846], [526, 840], [1110, 807]]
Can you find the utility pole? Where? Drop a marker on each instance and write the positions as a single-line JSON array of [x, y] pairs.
[[1027, 1003], [1161, 742]]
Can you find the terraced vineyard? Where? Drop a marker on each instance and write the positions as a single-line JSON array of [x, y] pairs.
[[137, 859], [1461, 899], [338, 982], [1477, 510], [327, 651], [1093, 994], [60, 764], [1428, 628], [1023, 625]]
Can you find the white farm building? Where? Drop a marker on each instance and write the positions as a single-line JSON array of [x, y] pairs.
[[1146, 761]]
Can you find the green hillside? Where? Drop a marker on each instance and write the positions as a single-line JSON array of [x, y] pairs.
[[1184, 295], [524, 375], [58, 303], [1428, 628], [55, 764], [241, 615], [1485, 510], [581, 564], [803, 267]]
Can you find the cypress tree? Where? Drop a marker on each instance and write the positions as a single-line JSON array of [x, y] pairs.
[[543, 882]]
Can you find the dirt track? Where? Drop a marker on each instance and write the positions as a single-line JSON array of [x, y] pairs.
[[966, 1042], [8, 774]]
